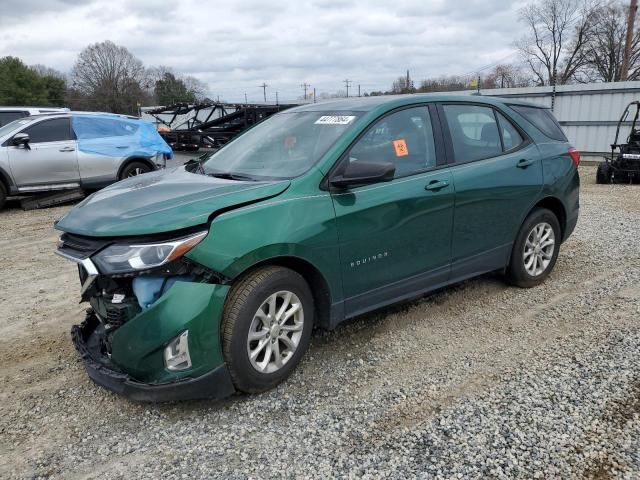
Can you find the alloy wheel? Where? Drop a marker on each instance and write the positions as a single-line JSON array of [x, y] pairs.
[[275, 332], [538, 249], [135, 172]]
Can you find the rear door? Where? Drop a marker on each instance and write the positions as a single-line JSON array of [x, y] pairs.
[[395, 237], [51, 161], [497, 175]]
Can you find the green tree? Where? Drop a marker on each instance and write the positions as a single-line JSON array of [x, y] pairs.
[[23, 85], [169, 90]]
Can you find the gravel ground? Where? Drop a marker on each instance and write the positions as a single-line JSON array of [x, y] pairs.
[[479, 380]]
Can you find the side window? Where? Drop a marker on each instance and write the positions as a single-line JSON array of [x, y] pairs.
[[511, 138], [404, 138], [56, 130], [474, 132]]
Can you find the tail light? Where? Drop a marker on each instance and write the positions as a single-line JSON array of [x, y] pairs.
[[575, 156]]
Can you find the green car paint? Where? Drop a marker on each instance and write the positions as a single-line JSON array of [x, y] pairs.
[[197, 307], [161, 201], [359, 248]]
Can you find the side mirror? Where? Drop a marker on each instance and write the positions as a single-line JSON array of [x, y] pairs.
[[364, 173], [21, 139]]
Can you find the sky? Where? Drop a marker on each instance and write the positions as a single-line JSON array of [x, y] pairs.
[[235, 46]]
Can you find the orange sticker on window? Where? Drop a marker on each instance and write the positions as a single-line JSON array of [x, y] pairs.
[[400, 147]]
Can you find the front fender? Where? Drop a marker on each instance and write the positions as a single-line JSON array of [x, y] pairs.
[[301, 227]]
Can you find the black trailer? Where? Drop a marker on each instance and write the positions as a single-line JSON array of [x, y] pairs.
[[210, 125], [624, 164]]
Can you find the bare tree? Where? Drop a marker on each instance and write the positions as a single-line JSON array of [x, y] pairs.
[[196, 87], [110, 78], [45, 71], [554, 48], [604, 49], [449, 83], [506, 76]]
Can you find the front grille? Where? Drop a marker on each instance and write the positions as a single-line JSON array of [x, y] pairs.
[[81, 247]]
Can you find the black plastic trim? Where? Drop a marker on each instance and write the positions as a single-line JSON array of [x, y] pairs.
[[398, 291], [213, 385]]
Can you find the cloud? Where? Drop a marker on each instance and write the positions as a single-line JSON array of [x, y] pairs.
[[235, 46]]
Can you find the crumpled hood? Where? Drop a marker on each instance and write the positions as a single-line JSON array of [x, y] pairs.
[[161, 201]]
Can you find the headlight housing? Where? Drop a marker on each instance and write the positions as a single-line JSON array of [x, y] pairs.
[[123, 258]]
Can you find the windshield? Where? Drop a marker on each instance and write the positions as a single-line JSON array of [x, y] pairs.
[[11, 126], [284, 146]]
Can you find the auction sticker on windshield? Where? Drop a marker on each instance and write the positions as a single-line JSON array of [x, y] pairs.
[[335, 120]]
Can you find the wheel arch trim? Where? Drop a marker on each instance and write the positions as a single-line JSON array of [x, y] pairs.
[[316, 280]]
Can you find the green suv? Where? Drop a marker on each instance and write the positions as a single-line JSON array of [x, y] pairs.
[[208, 279]]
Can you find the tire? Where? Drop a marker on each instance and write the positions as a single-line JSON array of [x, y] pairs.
[[249, 297], [3, 196], [603, 175], [523, 271], [133, 169]]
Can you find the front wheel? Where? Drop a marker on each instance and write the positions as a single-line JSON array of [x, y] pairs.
[[266, 327], [535, 250], [134, 169]]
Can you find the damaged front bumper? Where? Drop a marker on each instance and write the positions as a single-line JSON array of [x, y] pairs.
[[128, 340], [86, 338]]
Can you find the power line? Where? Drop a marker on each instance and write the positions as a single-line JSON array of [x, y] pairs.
[[305, 85], [264, 91], [347, 83]]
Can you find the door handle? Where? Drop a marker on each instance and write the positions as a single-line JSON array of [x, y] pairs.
[[67, 149], [436, 185], [524, 163]]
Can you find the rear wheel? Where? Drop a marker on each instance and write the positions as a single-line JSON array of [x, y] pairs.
[[134, 169], [535, 250], [266, 327], [603, 175]]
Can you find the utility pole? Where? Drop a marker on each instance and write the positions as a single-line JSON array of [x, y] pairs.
[[314, 94], [264, 91], [358, 89], [633, 8], [305, 85], [245, 98], [347, 83], [276, 97]]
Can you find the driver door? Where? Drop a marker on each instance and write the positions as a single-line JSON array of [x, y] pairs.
[[395, 237], [51, 161]]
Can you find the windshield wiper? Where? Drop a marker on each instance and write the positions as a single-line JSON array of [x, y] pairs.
[[232, 176]]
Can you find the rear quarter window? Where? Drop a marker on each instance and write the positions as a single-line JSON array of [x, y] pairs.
[[543, 120]]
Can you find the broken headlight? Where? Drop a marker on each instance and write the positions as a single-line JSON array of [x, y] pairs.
[[122, 258]]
